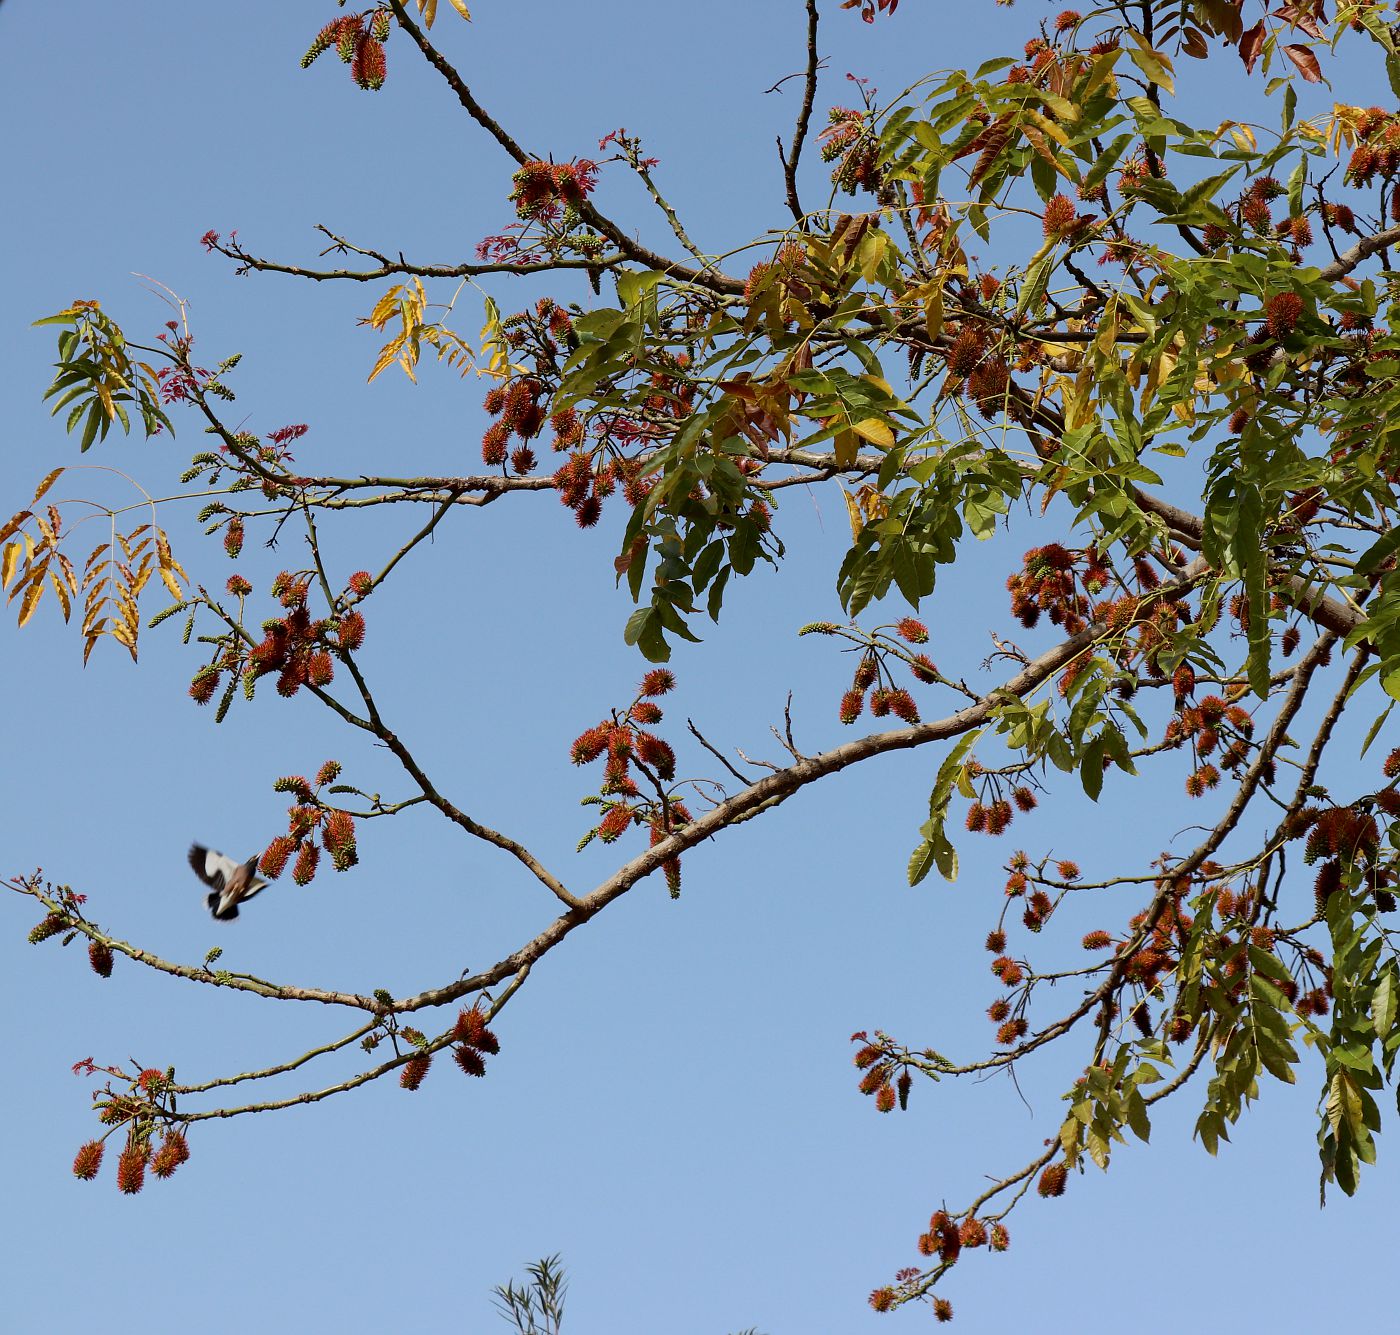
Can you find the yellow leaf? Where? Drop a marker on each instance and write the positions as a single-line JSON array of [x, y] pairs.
[[1242, 135], [933, 313], [384, 307], [1047, 126], [14, 525], [387, 356], [31, 598], [62, 592], [857, 514], [8, 560], [845, 449], [875, 431], [1154, 65], [167, 565], [870, 252], [45, 485], [1102, 69], [428, 9], [462, 10]]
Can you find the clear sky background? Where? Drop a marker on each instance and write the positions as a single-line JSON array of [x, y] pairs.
[[674, 1108]]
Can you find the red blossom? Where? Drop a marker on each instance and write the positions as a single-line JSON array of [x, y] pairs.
[[131, 1171], [88, 1160]]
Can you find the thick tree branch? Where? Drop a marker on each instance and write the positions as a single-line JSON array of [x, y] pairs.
[[804, 117]]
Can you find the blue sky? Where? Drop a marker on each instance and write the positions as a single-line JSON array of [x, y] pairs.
[[673, 1109]]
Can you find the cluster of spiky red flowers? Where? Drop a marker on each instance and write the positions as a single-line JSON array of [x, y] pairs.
[[976, 368], [100, 958], [787, 259], [295, 646], [849, 142], [873, 672], [519, 412], [1211, 724], [992, 813], [1378, 152], [358, 40], [1343, 839], [1060, 221], [472, 1043], [1049, 583], [946, 1236], [520, 406], [625, 741], [879, 1081], [146, 1105], [135, 1159], [551, 190], [308, 814], [1053, 1180]]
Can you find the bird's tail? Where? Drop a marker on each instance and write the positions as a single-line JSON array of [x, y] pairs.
[[213, 902]]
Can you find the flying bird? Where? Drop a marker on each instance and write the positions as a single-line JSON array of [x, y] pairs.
[[231, 882]]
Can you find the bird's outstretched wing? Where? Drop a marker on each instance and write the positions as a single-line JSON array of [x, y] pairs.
[[213, 868], [231, 882]]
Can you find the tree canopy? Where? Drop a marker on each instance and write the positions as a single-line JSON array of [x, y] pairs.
[[1040, 302]]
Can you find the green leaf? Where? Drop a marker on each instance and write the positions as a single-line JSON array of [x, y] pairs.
[[1387, 546], [1137, 1116], [921, 862], [94, 420]]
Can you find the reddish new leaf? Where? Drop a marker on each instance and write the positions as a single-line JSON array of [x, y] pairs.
[[1251, 44], [1304, 61]]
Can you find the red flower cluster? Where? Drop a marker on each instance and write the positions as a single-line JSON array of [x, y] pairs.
[[1282, 313], [625, 743], [1378, 153], [1206, 724], [358, 43], [872, 671], [173, 1151], [473, 1039], [100, 957], [414, 1069], [1048, 583], [307, 814], [1053, 1180], [789, 257], [88, 1160], [1061, 221], [878, 1080], [849, 142], [296, 647], [547, 190]]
